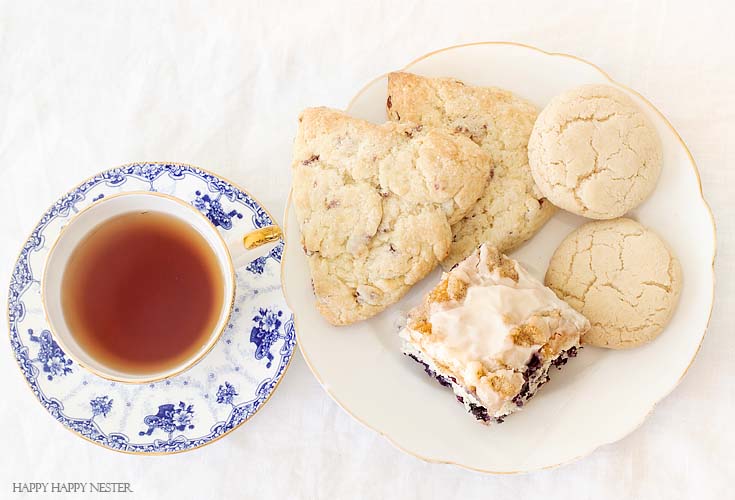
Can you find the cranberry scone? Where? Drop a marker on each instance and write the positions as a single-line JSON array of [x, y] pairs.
[[491, 332], [375, 203], [511, 208]]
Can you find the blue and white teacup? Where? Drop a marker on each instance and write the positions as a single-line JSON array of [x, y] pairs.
[[100, 212]]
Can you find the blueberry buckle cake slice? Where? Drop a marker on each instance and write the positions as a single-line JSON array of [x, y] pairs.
[[491, 332]]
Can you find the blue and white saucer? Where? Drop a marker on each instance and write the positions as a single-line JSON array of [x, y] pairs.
[[201, 404]]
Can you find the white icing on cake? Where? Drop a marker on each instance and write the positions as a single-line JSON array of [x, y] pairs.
[[478, 328], [482, 337]]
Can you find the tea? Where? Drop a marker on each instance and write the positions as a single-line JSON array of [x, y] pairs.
[[142, 292]]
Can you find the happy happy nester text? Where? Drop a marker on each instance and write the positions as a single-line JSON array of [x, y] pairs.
[[72, 488]]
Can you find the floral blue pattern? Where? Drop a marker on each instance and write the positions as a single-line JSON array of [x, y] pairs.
[[225, 393], [170, 418], [52, 377], [101, 405], [277, 252], [212, 208], [257, 266], [50, 355], [265, 332]]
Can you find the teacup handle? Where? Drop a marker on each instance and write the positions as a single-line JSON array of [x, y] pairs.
[[248, 248], [261, 236]]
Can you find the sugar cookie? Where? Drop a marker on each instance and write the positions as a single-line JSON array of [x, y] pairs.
[[621, 276], [593, 152]]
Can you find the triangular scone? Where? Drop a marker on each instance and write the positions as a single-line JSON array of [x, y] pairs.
[[512, 208], [375, 204]]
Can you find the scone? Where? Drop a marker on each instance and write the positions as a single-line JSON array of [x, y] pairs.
[[621, 276], [594, 153], [375, 203], [491, 332], [512, 208]]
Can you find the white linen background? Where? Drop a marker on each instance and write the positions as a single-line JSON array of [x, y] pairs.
[[90, 85]]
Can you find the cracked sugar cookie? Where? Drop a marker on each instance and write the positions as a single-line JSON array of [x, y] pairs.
[[594, 153], [511, 208], [375, 204], [621, 276]]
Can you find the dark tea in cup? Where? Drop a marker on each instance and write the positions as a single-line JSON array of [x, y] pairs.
[[142, 292], [138, 287]]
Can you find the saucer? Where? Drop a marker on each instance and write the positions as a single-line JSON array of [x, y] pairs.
[[193, 408]]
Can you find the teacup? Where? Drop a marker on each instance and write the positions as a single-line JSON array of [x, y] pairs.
[[67, 259]]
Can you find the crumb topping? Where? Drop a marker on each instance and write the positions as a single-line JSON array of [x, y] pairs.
[[486, 320], [527, 335], [505, 266]]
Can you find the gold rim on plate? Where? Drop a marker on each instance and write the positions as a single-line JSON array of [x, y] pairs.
[[278, 382], [625, 433]]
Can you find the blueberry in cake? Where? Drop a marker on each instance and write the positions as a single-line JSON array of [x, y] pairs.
[[491, 332]]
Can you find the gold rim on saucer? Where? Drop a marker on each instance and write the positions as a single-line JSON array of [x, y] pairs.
[[277, 381]]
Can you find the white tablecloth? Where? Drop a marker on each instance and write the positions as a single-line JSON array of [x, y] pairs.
[[90, 85]]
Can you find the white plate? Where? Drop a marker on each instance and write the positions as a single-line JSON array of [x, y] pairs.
[[600, 396]]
